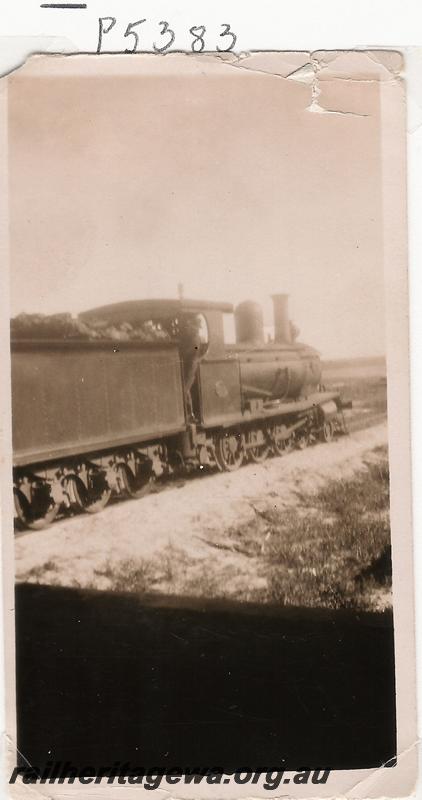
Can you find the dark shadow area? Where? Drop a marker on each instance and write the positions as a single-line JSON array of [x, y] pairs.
[[165, 682], [380, 569]]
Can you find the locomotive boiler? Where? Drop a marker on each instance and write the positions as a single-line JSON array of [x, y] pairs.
[[136, 390], [282, 368]]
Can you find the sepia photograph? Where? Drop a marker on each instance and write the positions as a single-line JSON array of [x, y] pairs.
[[206, 398]]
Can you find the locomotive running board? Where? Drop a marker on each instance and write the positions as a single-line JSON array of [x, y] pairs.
[[280, 409]]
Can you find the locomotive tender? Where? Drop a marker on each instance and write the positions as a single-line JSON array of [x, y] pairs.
[[93, 418]]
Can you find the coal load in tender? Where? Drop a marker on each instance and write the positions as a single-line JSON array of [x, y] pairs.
[[64, 326]]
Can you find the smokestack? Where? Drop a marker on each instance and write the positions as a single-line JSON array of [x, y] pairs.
[[282, 331]]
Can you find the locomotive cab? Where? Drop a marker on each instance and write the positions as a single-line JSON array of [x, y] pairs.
[[252, 374]]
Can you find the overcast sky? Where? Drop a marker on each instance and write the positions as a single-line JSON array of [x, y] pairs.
[[125, 183]]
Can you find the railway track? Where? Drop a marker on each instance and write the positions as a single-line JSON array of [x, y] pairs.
[[179, 477]]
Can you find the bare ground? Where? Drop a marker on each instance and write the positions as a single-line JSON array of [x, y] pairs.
[[181, 538]]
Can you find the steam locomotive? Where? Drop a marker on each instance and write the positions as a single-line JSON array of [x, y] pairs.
[[92, 418]]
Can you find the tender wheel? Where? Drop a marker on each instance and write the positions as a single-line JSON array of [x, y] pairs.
[[134, 485], [39, 511], [92, 498], [280, 444], [229, 451], [303, 438], [327, 431], [260, 451]]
